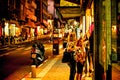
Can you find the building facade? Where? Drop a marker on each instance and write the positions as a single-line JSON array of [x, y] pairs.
[[106, 17], [23, 18]]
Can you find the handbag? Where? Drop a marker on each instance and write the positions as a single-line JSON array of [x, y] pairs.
[[66, 57]]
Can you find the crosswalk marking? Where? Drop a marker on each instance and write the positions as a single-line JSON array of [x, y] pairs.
[[4, 54], [19, 49], [28, 48]]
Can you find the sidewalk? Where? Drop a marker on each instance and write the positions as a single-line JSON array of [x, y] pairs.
[[115, 71], [13, 45], [116, 66], [24, 42], [52, 69]]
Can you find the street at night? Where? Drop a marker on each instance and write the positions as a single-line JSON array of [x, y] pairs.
[[16, 61], [59, 39], [16, 64]]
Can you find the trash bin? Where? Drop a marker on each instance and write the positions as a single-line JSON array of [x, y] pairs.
[[55, 46]]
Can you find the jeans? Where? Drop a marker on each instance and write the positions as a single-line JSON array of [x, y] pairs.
[[72, 70]]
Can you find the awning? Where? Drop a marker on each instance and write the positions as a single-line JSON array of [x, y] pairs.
[[44, 25], [14, 22], [30, 24], [74, 1], [70, 11], [41, 23]]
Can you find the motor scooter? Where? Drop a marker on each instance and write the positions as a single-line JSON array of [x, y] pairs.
[[37, 55]]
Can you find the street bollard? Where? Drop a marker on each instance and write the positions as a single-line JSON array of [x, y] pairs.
[[33, 71]]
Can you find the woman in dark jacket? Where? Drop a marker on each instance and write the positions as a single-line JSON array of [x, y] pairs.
[[72, 63]]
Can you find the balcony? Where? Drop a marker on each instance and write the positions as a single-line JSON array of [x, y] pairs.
[[31, 15], [32, 5], [45, 2], [45, 12]]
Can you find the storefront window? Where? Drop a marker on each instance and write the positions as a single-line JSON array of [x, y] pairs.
[[118, 31], [114, 32], [103, 36], [118, 7], [12, 29], [17, 31], [6, 29]]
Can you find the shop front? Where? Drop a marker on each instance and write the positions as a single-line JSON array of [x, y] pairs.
[[118, 30], [103, 21], [0, 30], [10, 30], [88, 23]]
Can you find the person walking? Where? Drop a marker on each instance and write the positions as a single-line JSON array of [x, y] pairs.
[[80, 58], [72, 63], [91, 31], [72, 36]]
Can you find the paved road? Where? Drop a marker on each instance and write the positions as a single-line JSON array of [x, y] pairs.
[[15, 61]]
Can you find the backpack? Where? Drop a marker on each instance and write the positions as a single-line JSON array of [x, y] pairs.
[[68, 56]]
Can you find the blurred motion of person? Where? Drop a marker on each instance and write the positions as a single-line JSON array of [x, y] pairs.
[[2, 40], [91, 31], [72, 63]]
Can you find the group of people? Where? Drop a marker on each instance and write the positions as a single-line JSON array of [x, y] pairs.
[[77, 60], [79, 51]]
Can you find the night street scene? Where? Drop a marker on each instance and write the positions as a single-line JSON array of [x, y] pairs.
[[59, 39]]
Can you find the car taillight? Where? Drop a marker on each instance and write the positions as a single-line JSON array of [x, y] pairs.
[[33, 50]]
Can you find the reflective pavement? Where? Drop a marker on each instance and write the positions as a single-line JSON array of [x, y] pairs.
[[51, 69]]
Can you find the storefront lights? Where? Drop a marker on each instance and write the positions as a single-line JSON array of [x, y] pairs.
[[75, 23], [6, 29]]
